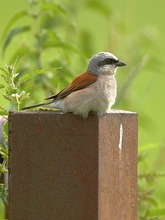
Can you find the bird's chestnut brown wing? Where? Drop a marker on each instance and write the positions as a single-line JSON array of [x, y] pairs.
[[80, 82]]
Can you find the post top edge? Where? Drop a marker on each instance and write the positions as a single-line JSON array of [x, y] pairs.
[[54, 112]]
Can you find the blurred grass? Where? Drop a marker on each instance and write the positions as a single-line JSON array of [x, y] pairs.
[[132, 30]]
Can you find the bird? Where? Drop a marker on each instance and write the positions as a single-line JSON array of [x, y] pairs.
[[95, 90]]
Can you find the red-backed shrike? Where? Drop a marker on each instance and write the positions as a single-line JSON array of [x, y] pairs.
[[92, 91]]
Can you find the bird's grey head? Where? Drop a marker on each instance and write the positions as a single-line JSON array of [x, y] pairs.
[[104, 63]]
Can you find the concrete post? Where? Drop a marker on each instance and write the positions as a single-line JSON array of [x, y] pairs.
[[64, 167]]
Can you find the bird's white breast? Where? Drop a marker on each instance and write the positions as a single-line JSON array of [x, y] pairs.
[[98, 97], [105, 93]]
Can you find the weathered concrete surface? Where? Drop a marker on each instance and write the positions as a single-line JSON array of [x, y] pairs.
[[64, 167]]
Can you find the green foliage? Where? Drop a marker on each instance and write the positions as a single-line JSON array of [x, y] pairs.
[[3, 164], [4, 193], [43, 41], [12, 85], [12, 92], [150, 207], [51, 42]]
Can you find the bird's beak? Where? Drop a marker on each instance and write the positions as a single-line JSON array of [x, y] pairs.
[[120, 63]]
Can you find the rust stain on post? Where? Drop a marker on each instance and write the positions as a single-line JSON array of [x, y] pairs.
[[64, 167]]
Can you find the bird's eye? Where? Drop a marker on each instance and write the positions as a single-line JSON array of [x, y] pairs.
[[110, 61], [107, 61]]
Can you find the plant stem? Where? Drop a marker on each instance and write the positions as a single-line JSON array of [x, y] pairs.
[[37, 32]]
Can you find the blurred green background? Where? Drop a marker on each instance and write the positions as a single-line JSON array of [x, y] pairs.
[[68, 34]]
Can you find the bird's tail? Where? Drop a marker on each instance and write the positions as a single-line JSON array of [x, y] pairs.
[[34, 106]]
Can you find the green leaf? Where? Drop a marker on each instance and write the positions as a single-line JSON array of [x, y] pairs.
[[15, 18], [2, 86], [4, 155], [4, 70], [20, 53], [8, 97], [34, 73], [151, 200], [3, 111], [54, 6], [157, 212], [3, 193], [12, 34], [7, 79], [99, 6], [60, 44], [147, 147]]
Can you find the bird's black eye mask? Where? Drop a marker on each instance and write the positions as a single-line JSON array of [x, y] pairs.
[[107, 61]]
